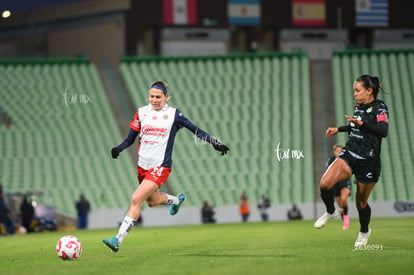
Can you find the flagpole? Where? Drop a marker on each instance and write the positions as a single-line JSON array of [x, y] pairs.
[[339, 17]]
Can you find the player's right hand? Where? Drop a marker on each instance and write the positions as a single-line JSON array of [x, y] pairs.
[[115, 152], [331, 131]]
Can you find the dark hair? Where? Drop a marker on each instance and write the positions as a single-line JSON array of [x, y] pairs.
[[160, 85], [369, 81]]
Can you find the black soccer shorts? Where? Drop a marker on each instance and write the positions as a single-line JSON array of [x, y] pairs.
[[365, 170]]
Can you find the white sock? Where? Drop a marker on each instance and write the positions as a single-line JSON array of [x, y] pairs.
[[172, 199], [125, 227]]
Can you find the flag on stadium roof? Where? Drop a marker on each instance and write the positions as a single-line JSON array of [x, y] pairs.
[[180, 12], [308, 12], [244, 12], [371, 13]]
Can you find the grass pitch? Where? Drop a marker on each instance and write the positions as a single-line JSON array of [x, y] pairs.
[[250, 248]]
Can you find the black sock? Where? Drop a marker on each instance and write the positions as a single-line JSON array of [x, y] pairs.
[[345, 210], [328, 199], [364, 218]]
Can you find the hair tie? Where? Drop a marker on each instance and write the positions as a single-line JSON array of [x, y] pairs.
[[164, 90]]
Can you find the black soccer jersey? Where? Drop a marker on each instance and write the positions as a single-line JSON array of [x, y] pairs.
[[365, 140]]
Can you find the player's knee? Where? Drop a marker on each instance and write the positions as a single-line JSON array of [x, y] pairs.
[[324, 184], [361, 204], [136, 201]]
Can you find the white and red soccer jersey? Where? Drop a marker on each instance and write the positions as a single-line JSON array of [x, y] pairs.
[[157, 130]]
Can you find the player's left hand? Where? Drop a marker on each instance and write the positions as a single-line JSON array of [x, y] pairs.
[[220, 147]]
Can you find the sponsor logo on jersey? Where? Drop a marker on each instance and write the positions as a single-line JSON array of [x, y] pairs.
[[153, 131]]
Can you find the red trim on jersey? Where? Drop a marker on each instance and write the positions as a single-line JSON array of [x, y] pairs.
[[135, 124], [382, 117]]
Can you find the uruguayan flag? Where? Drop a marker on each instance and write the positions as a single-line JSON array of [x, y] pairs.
[[371, 13]]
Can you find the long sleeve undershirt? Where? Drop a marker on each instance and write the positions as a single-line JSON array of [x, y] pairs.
[[129, 140], [380, 128]]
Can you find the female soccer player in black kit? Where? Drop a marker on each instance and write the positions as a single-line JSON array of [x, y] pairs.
[[361, 155]]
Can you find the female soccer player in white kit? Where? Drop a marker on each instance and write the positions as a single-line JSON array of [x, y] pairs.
[[156, 124]]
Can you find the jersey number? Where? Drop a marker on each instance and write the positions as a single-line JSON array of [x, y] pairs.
[[157, 171]]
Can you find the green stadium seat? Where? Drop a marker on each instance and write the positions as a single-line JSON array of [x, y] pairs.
[[60, 148]]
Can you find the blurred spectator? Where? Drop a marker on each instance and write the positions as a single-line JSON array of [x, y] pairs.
[[27, 210], [207, 213], [83, 208], [294, 213], [244, 208], [263, 206], [4, 214]]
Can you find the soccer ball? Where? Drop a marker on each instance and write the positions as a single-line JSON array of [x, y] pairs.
[[69, 248]]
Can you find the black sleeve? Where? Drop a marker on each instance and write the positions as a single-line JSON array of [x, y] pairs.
[[200, 133], [380, 128], [130, 139], [345, 128]]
